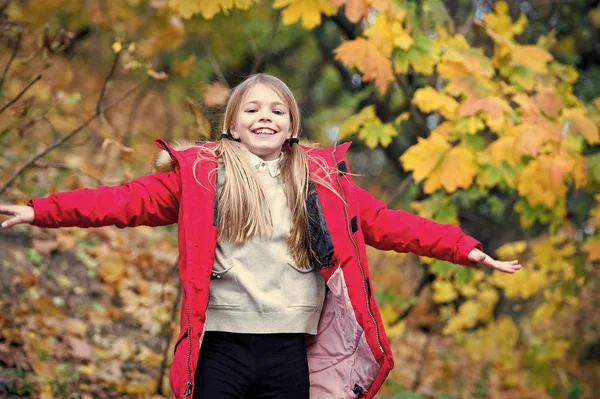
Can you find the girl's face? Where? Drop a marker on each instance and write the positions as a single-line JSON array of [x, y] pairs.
[[263, 122]]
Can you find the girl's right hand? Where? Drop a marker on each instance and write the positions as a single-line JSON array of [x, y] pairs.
[[20, 213]]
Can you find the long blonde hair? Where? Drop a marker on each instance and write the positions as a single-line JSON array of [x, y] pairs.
[[241, 214]]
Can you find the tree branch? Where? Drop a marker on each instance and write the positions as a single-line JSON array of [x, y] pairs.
[[417, 380], [425, 280], [57, 143], [13, 54], [14, 100], [110, 74], [215, 65], [258, 61], [59, 165]]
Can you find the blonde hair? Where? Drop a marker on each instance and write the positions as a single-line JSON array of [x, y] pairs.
[[241, 215]]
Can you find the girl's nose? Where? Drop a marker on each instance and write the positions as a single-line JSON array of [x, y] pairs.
[[264, 116]]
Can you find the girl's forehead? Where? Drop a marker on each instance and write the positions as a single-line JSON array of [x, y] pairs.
[[262, 93]]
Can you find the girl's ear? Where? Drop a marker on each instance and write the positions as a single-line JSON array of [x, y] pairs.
[[234, 135]]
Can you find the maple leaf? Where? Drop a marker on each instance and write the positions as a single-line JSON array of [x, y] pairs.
[[536, 183], [429, 100], [495, 107], [309, 11], [434, 161], [366, 58], [374, 134], [214, 94], [184, 67], [592, 248], [531, 137], [534, 57], [353, 124], [577, 118], [355, 10]]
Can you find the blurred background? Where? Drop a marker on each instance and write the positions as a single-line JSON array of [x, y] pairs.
[[479, 113]]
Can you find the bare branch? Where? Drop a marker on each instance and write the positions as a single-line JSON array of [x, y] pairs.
[[106, 80], [14, 100], [423, 282], [60, 142], [258, 61], [417, 380], [215, 65], [401, 189], [13, 54]]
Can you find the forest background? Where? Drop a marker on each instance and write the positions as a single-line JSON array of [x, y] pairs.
[[479, 113]]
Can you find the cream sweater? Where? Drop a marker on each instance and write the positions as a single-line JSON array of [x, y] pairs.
[[256, 287]]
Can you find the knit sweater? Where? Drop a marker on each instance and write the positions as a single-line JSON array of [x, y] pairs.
[[256, 287]]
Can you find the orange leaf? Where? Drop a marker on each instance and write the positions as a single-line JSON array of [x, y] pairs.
[[494, 106], [355, 9], [214, 94], [366, 58]]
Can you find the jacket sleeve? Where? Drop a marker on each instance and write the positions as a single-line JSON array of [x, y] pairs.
[[402, 231], [151, 200]]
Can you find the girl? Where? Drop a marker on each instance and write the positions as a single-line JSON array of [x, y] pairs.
[[277, 299]]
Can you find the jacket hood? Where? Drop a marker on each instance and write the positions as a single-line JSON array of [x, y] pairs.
[[163, 161]]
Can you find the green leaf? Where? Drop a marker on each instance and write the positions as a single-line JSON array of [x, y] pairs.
[[443, 267], [374, 134], [464, 275]]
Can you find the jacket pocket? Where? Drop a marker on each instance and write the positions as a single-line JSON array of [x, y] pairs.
[[224, 291], [301, 287]]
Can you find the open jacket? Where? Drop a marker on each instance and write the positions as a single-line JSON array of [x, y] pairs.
[[350, 356]]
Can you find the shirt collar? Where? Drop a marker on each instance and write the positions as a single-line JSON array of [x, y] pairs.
[[262, 166]]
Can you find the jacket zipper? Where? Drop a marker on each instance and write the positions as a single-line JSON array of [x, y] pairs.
[[188, 384], [362, 270]]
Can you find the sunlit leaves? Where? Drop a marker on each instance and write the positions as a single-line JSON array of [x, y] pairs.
[[309, 11], [355, 10], [365, 56], [369, 128], [440, 165], [207, 9], [429, 100]]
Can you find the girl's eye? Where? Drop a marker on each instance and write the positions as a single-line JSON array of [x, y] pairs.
[[278, 112], [251, 110]]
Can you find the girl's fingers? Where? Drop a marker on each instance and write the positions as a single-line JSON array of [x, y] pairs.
[[11, 222]]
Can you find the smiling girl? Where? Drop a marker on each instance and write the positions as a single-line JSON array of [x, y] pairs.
[[277, 297]]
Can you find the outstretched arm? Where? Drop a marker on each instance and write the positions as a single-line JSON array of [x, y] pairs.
[[151, 200], [402, 231]]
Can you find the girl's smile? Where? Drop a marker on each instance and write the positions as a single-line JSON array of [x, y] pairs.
[[263, 122]]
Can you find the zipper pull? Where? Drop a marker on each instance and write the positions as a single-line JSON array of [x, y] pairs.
[[188, 388]]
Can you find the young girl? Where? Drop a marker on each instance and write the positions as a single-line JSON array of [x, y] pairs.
[[277, 298]]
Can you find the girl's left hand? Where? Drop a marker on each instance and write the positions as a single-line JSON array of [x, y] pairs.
[[481, 259]]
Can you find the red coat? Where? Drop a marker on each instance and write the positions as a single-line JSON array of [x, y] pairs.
[[350, 356]]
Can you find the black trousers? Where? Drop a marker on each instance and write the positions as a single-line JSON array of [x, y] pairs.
[[252, 366]]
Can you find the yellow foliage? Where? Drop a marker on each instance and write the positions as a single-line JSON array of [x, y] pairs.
[[592, 248], [511, 250], [309, 11], [184, 67], [353, 124], [524, 284], [579, 122], [467, 317], [429, 100], [499, 24], [363, 55], [495, 343], [495, 107], [208, 9], [404, 116], [444, 291], [532, 56], [445, 129], [542, 180], [440, 165]]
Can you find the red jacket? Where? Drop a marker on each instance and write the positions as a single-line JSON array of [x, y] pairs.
[[350, 356]]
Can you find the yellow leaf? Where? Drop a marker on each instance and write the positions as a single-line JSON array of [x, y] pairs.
[[577, 117], [537, 184], [368, 59], [117, 47], [440, 165], [467, 317], [353, 124], [425, 156], [402, 118], [511, 250], [355, 10], [184, 67], [112, 269], [444, 291], [531, 137], [445, 129], [380, 35], [208, 9], [535, 57], [429, 100], [309, 11], [374, 134]]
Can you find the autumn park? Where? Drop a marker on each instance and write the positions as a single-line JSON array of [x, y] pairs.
[[482, 114]]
